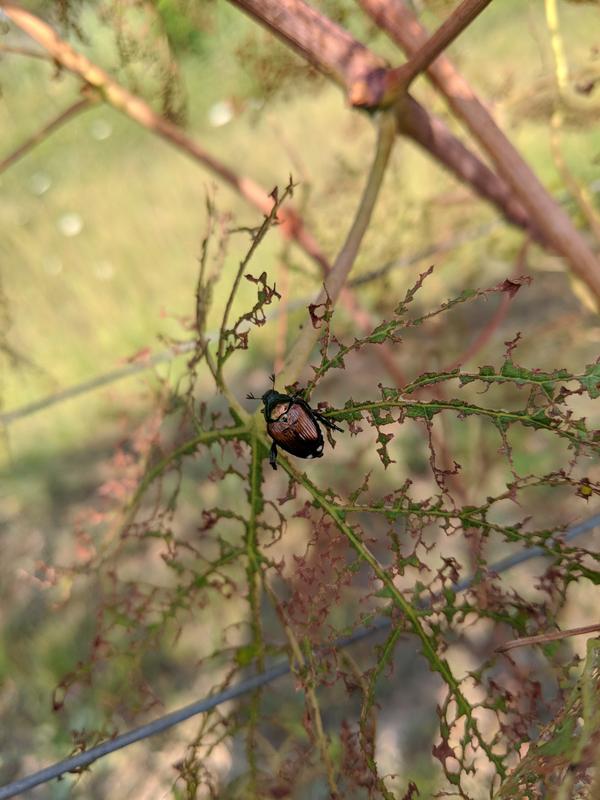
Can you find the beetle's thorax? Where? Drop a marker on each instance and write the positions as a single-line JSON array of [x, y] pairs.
[[279, 409], [275, 400]]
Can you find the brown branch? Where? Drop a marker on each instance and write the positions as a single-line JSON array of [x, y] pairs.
[[334, 284], [554, 224], [435, 138], [76, 108], [369, 83], [345, 58], [321, 42]]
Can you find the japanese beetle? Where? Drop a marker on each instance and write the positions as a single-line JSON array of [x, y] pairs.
[[293, 425]]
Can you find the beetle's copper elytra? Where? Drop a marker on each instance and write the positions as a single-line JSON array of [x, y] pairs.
[[293, 425]]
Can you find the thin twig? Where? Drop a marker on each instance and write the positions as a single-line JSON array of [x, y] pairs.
[[25, 51], [300, 353], [368, 720], [449, 30], [257, 238], [543, 638], [307, 680], [569, 98], [496, 320], [579, 192], [72, 111]]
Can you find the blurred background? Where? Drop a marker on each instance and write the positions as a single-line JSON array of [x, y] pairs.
[[102, 225]]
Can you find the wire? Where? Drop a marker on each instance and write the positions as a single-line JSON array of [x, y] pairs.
[[476, 232], [95, 383], [8, 417], [279, 669]]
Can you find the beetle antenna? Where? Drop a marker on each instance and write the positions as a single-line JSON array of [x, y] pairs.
[[251, 397], [273, 379]]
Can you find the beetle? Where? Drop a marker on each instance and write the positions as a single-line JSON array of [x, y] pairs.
[[293, 425]]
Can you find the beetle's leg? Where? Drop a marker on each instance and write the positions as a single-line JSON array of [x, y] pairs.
[[273, 456], [327, 422]]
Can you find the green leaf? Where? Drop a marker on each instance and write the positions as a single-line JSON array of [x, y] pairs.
[[590, 380], [382, 332], [421, 412]]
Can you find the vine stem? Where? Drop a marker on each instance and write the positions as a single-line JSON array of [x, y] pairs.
[[367, 721], [203, 437], [253, 560], [410, 613], [256, 240], [426, 408], [309, 689], [335, 280], [338, 517], [469, 520]]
